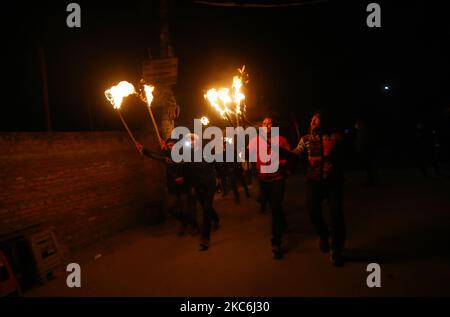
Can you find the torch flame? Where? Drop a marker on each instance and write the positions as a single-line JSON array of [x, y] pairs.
[[238, 95], [221, 98], [115, 94], [213, 97], [148, 90], [225, 99]]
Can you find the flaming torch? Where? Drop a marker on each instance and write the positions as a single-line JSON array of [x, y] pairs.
[[238, 96], [221, 98], [213, 97], [115, 96], [147, 97]]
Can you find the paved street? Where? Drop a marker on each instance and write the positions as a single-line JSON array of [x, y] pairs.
[[402, 224]]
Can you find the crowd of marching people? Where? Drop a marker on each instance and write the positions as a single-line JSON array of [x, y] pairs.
[[194, 184]]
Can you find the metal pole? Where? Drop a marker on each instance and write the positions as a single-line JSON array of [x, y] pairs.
[[169, 104]]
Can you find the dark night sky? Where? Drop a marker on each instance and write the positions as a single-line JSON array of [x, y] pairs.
[[300, 58]]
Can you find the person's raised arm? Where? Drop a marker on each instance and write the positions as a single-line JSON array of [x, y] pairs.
[[300, 148], [144, 151]]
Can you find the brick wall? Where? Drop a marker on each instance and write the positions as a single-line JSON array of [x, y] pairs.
[[82, 185]]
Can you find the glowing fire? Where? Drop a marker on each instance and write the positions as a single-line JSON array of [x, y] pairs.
[[213, 97], [148, 90], [147, 97], [221, 99], [115, 94], [204, 120], [238, 95]]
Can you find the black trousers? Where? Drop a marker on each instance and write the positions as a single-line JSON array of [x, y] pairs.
[[205, 196], [186, 205], [237, 175], [319, 192], [273, 192]]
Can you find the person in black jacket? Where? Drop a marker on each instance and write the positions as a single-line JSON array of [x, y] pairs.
[[202, 177], [177, 185], [236, 175]]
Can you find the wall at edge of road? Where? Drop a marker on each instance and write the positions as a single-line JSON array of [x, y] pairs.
[[82, 185]]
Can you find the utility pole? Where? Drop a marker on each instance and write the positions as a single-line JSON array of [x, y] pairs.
[[170, 108], [164, 28]]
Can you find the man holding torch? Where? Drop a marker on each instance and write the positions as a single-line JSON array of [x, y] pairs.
[[324, 183], [202, 177], [178, 186], [272, 185]]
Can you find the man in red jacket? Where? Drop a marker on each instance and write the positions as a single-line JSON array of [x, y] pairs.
[[269, 150]]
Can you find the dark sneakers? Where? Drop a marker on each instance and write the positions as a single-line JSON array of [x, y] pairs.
[[204, 246], [336, 258]]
